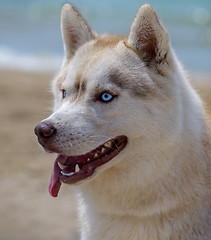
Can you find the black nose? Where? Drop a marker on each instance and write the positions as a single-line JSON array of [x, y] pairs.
[[44, 131]]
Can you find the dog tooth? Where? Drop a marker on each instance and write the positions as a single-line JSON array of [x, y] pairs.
[[103, 150], [77, 168], [67, 174], [96, 155], [88, 160], [61, 166], [108, 144]]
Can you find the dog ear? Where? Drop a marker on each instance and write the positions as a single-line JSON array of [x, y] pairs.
[[75, 30], [148, 37]]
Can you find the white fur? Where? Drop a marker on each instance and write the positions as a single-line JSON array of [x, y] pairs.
[[158, 187]]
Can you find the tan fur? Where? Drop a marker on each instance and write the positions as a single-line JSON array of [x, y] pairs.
[[158, 187]]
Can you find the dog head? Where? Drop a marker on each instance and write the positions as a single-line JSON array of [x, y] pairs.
[[111, 98]]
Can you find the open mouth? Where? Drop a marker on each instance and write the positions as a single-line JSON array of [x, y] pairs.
[[72, 169]]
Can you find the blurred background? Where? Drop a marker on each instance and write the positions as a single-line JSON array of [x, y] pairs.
[[31, 51], [30, 30]]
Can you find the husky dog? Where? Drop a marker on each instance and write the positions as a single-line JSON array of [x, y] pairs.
[[130, 132]]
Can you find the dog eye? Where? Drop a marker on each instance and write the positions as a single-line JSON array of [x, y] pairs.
[[106, 97], [63, 93]]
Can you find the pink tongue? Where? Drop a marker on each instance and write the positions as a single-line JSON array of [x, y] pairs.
[[55, 183]]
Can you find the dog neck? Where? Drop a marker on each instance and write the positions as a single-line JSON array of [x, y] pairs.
[[161, 226], [118, 204]]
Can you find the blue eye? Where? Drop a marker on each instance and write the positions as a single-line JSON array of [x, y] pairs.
[[106, 97], [63, 93]]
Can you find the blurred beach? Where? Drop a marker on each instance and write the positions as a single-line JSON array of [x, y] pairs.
[[31, 51], [31, 40]]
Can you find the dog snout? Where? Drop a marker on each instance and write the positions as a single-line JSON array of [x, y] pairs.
[[44, 131]]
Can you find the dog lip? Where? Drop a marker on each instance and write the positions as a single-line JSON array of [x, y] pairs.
[[78, 168], [88, 162]]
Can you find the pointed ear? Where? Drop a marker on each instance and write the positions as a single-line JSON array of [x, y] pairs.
[[148, 37], [75, 30]]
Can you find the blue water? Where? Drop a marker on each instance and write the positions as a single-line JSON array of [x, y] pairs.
[[30, 29]]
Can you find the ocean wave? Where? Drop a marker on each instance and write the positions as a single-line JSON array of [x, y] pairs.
[[14, 60], [30, 28]]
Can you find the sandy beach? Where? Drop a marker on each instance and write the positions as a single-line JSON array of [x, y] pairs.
[[27, 211]]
